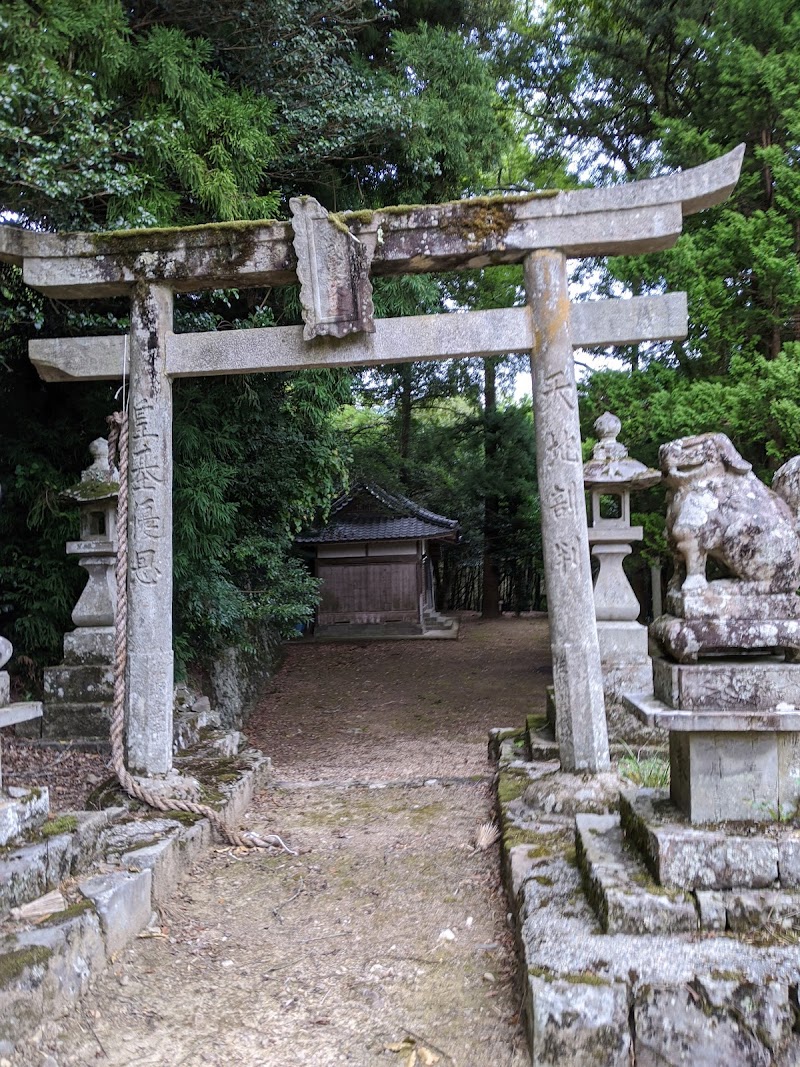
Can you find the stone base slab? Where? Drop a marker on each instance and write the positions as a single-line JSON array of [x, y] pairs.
[[653, 712], [754, 683], [680, 855], [686, 639], [733, 599]]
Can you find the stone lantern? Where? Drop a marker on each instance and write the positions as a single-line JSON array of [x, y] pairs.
[[96, 496], [78, 692], [610, 476], [20, 808]]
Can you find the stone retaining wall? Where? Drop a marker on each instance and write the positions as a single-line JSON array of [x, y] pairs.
[[238, 678]]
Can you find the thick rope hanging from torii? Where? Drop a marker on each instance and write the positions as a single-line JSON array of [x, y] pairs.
[[118, 451]]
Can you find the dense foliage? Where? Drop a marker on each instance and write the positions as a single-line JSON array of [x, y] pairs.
[[171, 113]]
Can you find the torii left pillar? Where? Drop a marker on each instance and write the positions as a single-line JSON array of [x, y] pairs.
[[149, 697]]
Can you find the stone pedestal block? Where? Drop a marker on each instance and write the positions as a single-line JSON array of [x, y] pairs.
[[79, 682], [5, 688], [735, 749], [686, 639], [760, 683], [89, 644], [622, 643], [719, 777], [78, 694]]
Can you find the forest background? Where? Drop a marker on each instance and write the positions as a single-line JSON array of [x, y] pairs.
[[175, 112]]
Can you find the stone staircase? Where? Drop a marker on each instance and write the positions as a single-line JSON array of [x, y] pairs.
[[433, 622], [643, 939], [113, 867]]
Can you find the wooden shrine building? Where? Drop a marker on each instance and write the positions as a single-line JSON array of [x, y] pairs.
[[374, 559]]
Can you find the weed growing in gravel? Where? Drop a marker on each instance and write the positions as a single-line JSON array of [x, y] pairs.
[[651, 772]]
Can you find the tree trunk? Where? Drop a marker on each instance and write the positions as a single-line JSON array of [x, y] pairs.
[[406, 405], [491, 504]]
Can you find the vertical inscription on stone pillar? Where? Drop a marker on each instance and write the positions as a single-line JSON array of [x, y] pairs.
[[580, 708], [150, 666], [146, 472]]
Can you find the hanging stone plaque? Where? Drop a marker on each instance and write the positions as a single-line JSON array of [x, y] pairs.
[[333, 270]]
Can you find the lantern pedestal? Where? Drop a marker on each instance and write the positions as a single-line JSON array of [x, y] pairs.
[[79, 691]]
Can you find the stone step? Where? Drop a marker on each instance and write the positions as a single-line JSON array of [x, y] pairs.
[[40, 864], [679, 854], [620, 889], [771, 913], [130, 863], [541, 742]]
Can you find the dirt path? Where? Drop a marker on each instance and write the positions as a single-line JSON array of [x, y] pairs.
[[386, 937]]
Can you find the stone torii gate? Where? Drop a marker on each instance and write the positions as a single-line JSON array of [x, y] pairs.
[[333, 257]]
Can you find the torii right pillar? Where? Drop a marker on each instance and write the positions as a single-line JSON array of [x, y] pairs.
[[581, 729]]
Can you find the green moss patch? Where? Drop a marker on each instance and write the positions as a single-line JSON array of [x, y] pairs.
[[186, 818], [62, 824], [573, 977], [544, 879], [511, 785], [14, 963]]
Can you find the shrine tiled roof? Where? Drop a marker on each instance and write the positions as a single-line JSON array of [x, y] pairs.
[[369, 513]]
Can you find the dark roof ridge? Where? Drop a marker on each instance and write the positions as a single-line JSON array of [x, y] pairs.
[[391, 500]]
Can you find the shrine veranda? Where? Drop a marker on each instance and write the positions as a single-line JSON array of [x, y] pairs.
[[333, 257]]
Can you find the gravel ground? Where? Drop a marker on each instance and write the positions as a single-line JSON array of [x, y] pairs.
[[68, 773], [385, 940]]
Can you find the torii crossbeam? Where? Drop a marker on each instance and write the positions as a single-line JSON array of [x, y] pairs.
[[333, 258]]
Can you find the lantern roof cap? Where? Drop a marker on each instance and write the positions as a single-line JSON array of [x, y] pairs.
[[611, 465]]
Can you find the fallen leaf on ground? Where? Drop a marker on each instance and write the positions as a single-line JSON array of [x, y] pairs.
[[406, 1045], [417, 1052]]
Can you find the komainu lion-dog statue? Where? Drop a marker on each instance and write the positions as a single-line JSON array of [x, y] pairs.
[[717, 508]]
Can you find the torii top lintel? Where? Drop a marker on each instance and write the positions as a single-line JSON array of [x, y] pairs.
[[631, 218]]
